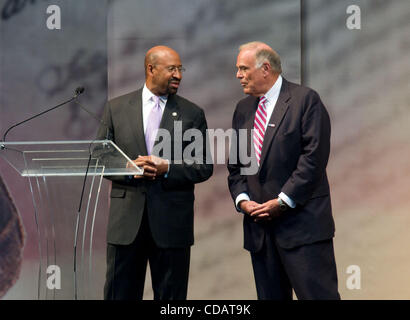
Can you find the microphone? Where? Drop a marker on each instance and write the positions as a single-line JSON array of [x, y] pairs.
[[78, 91]]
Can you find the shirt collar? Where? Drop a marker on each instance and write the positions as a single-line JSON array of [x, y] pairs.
[[147, 95], [274, 91]]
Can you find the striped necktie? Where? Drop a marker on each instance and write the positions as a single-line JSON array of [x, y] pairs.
[[259, 127]]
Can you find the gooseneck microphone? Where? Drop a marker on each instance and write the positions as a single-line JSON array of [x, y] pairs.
[[78, 91]]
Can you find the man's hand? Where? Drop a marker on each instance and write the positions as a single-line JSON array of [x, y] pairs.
[[153, 166], [266, 211], [149, 169], [248, 206]]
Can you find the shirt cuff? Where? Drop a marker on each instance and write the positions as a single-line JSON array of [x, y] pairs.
[[287, 200], [239, 198], [166, 174]]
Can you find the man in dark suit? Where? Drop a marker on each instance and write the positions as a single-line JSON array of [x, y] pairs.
[[151, 216], [288, 223]]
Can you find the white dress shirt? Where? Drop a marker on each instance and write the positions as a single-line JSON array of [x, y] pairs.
[[148, 103], [271, 98]]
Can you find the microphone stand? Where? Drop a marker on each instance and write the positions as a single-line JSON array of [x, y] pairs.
[[76, 226], [78, 91], [81, 197]]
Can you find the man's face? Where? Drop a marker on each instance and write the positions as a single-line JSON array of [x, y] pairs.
[[251, 78], [166, 73]]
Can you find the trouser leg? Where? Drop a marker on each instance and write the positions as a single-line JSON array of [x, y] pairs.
[[311, 270]]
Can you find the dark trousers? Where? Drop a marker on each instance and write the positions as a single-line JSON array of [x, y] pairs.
[[310, 270], [127, 264]]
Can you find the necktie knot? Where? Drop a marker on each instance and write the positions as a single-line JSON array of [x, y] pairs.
[[156, 101]]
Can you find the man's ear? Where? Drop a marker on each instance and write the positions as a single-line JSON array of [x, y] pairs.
[[266, 67], [150, 67]]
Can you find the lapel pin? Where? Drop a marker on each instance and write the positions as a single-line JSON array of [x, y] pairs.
[[174, 114], [271, 125]]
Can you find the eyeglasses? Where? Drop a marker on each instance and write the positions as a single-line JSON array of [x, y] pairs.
[[173, 69]]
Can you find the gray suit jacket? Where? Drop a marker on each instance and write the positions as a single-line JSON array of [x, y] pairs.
[[169, 201], [294, 156]]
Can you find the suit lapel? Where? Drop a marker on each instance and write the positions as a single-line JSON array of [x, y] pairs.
[[276, 118], [136, 122], [171, 114], [248, 125]]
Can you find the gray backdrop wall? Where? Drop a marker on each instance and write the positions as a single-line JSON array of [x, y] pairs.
[[361, 75]]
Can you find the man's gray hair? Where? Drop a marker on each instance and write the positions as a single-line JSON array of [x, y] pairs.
[[263, 54]]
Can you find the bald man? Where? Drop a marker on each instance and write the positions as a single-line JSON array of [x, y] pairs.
[[151, 216], [288, 222]]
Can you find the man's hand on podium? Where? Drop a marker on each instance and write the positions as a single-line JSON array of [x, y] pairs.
[[153, 166]]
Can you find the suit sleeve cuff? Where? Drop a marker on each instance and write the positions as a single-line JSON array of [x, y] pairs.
[[287, 200], [239, 198]]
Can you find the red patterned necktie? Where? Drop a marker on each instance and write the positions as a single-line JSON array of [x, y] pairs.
[[259, 127]]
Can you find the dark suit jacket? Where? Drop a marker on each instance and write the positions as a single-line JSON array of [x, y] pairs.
[[294, 157], [169, 201]]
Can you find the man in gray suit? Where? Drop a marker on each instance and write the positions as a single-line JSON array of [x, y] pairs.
[[151, 217], [288, 223]]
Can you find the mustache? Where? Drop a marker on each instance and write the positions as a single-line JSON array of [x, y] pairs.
[[174, 80]]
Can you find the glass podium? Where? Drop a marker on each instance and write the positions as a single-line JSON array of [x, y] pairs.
[[65, 179]]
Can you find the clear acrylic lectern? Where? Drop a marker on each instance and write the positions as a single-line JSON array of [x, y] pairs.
[[56, 173]]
